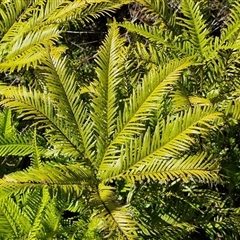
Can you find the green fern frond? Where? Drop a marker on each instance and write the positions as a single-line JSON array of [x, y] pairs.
[[37, 228], [105, 103], [83, 11], [193, 168], [38, 106], [181, 101], [230, 34], [142, 103], [10, 11], [11, 141], [57, 178], [160, 11], [11, 219], [195, 26], [145, 154], [155, 34], [6, 127], [113, 217], [35, 160], [151, 55], [62, 88], [232, 108], [23, 44]]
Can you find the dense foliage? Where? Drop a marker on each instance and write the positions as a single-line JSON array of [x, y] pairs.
[[135, 137]]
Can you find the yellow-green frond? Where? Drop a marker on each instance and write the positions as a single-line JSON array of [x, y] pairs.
[[105, 102], [56, 178], [196, 29], [115, 219]]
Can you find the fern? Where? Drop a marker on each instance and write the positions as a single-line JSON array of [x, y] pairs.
[[125, 154]]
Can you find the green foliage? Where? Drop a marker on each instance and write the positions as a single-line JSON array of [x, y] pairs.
[[129, 156]]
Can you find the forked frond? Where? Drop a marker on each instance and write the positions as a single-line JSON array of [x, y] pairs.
[[176, 136], [105, 102], [114, 218], [142, 103]]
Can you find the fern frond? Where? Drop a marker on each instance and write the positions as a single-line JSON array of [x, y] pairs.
[[11, 220], [64, 93], [181, 101], [37, 228], [195, 26], [105, 103], [38, 106], [160, 11], [232, 108], [83, 11], [230, 34], [6, 127], [23, 45], [35, 160], [17, 145], [10, 11], [57, 178], [113, 217], [141, 105], [155, 34], [176, 137], [193, 168]]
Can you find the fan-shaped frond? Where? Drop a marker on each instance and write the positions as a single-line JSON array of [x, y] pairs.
[[142, 103]]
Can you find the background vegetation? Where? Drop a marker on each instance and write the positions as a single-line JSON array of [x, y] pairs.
[[119, 119]]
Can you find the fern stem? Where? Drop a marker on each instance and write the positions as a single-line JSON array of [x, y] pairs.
[[201, 79]]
